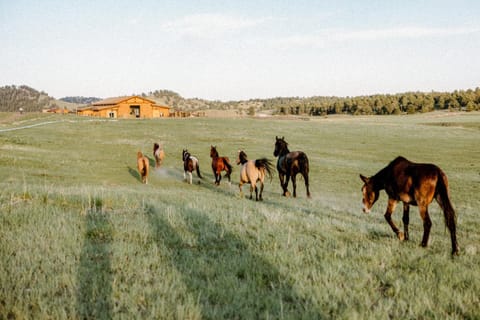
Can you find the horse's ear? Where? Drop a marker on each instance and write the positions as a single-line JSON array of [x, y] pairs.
[[364, 179], [283, 138]]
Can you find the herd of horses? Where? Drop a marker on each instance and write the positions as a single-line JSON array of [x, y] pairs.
[[416, 184]]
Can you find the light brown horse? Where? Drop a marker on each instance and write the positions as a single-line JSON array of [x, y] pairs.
[[220, 164], [143, 166], [253, 171], [158, 154], [414, 184]]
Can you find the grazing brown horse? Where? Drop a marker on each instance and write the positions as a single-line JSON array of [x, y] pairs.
[[414, 184], [143, 166], [220, 164], [190, 163], [253, 171], [158, 154], [289, 164]]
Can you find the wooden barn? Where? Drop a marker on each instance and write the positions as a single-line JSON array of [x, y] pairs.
[[125, 107]]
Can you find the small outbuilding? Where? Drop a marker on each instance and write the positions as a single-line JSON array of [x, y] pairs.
[[125, 107]]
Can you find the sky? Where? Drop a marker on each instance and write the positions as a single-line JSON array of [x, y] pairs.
[[239, 50]]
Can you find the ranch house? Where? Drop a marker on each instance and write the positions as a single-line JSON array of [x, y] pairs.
[[125, 107]]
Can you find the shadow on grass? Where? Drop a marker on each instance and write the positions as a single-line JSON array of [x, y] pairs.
[[219, 268], [94, 277], [134, 173]]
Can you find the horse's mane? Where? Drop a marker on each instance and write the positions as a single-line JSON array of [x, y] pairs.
[[284, 146], [186, 155], [381, 176], [242, 156], [213, 151]]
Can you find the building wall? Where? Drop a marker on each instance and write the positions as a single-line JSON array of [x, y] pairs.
[[124, 110]]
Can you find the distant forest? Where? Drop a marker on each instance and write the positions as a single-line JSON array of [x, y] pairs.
[[380, 104], [80, 100], [14, 97]]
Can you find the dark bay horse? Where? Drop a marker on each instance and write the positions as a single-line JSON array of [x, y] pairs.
[[414, 184], [253, 171], [190, 163], [289, 164], [220, 164]]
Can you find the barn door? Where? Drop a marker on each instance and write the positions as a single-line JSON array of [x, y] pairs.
[[135, 111]]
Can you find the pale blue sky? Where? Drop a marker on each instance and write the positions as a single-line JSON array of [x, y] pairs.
[[230, 50]]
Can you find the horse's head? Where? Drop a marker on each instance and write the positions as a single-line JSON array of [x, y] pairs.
[[370, 194], [281, 146], [155, 146], [185, 154], [213, 152], [242, 157]]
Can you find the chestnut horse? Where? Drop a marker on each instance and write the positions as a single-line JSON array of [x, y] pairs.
[[289, 164], [253, 171], [158, 154], [143, 166], [190, 163], [414, 184], [219, 164]]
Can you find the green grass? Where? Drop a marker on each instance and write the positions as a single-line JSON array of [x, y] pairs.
[[81, 237]]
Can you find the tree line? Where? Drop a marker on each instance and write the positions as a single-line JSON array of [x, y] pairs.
[[381, 104]]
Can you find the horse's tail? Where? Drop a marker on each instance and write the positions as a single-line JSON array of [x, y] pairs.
[[443, 199], [145, 166], [197, 167], [266, 164], [226, 161]]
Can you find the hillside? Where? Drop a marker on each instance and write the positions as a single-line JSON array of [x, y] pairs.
[[14, 97]]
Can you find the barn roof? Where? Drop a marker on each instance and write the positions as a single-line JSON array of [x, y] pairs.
[[117, 100]]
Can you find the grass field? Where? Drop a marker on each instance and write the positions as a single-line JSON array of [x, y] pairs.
[[81, 237]]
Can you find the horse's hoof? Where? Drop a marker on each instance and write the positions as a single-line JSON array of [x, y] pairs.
[[401, 236], [287, 194]]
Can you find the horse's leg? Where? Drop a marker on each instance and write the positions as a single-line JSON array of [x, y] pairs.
[[185, 175], [228, 174], [281, 176], [406, 219], [219, 177], [388, 216], [294, 184], [190, 177], [240, 187], [214, 173], [261, 190], [427, 223], [285, 187], [251, 190]]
